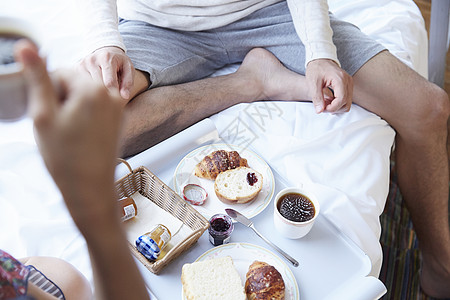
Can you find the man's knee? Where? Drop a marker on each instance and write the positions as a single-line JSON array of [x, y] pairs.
[[427, 116], [440, 108], [432, 111]]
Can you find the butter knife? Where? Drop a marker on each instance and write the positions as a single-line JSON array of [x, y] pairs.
[[237, 216]]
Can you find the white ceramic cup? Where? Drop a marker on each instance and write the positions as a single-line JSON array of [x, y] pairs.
[[13, 96], [288, 228]]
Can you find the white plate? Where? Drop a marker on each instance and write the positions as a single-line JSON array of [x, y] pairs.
[[244, 254], [184, 174]]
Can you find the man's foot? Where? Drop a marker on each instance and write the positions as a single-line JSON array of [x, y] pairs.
[[273, 80], [435, 280]]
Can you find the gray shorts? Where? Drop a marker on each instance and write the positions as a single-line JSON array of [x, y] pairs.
[[172, 57]]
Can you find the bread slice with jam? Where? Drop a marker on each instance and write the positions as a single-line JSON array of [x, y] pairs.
[[240, 185]]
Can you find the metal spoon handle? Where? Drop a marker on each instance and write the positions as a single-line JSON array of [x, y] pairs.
[[287, 256]]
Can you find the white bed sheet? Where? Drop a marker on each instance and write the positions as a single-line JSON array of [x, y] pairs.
[[345, 158]]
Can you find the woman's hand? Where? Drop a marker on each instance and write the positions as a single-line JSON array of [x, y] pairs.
[[77, 123]]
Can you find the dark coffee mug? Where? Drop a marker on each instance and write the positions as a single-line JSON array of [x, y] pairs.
[[13, 96]]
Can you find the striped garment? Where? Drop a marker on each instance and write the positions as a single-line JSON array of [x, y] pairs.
[[41, 281], [15, 277]]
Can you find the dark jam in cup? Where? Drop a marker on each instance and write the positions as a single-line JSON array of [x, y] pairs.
[[7, 42], [220, 229], [296, 207]]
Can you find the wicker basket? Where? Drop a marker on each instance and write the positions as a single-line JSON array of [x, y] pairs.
[[147, 184]]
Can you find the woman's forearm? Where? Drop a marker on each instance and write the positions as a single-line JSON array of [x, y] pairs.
[[116, 275]]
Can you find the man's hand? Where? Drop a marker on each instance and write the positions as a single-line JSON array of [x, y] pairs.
[[323, 73], [113, 67]]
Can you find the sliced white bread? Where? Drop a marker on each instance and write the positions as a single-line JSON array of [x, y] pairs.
[[215, 278], [239, 185]]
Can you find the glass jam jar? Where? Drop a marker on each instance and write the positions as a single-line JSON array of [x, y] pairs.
[[152, 243], [220, 229], [128, 208]]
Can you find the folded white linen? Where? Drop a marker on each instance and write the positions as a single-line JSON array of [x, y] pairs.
[[398, 25], [342, 158]]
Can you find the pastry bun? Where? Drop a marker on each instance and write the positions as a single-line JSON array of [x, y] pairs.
[[263, 281], [218, 161]]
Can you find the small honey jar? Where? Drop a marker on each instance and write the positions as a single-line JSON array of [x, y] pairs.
[[151, 243], [128, 208]]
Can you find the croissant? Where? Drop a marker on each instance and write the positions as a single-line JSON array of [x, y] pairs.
[[218, 161], [263, 281]]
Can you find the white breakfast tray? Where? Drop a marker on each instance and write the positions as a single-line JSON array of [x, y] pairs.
[[331, 265]]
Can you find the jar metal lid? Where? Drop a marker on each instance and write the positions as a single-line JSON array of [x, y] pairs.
[[147, 247], [195, 194]]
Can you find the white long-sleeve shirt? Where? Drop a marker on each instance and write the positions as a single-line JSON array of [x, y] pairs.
[[310, 17]]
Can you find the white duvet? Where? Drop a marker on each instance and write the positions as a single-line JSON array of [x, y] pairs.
[[344, 158]]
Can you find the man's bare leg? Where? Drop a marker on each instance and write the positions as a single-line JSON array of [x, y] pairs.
[[161, 112], [418, 111]]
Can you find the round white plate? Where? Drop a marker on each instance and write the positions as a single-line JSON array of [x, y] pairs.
[[184, 174], [244, 254]]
